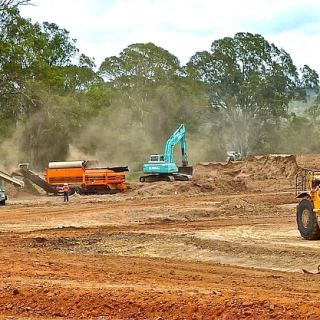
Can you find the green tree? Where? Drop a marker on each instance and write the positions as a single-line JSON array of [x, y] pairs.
[[47, 133], [153, 85], [37, 65], [30, 53], [13, 3], [141, 65], [139, 70], [296, 132], [249, 84]]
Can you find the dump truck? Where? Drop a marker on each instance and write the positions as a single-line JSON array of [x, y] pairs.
[[308, 210]]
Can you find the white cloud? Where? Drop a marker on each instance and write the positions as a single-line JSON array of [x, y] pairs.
[[105, 27], [302, 49]]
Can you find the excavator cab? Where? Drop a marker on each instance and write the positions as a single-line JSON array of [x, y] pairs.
[[156, 158]]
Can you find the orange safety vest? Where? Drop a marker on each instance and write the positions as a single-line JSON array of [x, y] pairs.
[[65, 188]]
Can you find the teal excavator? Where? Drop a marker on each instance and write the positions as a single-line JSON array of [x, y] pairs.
[[162, 167]]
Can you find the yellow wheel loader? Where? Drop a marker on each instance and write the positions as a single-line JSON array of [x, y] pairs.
[[308, 210]]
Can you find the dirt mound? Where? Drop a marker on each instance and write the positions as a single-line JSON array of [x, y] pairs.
[[270, 166], [267, 173], [17, 192], [251, 175], [309, 161]]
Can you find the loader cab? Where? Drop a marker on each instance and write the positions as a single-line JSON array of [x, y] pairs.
[[307, 181], [155, 158]]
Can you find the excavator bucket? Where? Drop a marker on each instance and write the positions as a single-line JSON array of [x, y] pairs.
[[186, 170]]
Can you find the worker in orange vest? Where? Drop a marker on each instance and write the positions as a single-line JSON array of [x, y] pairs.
[[65, 189]]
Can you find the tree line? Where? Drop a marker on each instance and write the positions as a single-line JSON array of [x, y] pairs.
[[56, 104]]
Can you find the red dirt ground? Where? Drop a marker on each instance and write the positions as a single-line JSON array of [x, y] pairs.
[[223, 246]]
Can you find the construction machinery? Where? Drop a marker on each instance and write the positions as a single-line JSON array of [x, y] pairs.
[[83, 177], [161, 167], [308, 210], [233, 156], [3, 197], [12, 179], [36, 179]]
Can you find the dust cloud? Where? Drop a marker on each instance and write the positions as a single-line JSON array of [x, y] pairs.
[[11, 154]]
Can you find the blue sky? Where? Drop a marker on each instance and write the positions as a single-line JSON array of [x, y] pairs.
[[104, 28]]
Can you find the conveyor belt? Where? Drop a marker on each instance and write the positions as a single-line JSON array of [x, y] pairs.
[[6, 177], [33, 177]]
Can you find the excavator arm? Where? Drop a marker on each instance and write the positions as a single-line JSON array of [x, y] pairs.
[[178, 136]]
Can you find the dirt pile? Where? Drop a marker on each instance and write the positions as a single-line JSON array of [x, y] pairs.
[[22, 192], [309, 161], [251, 175], [271, 166]]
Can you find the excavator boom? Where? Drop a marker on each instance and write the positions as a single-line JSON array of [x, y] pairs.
[[179, 135]]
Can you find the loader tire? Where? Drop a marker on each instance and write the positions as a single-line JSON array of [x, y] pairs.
[[307, 221]]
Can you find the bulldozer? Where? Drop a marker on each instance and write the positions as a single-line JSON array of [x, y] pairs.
[[308, 210]]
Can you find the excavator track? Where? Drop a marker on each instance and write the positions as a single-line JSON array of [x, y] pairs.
[[182, 177], [166, 177], [156, 178]]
